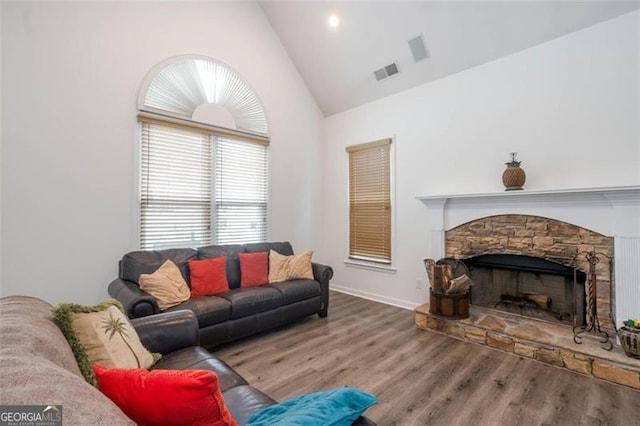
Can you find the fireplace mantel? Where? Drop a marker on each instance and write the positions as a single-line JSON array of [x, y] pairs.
[[611, 211], [615, 194]]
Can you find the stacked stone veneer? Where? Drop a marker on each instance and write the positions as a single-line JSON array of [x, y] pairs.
[[551, 344], [541, 237]]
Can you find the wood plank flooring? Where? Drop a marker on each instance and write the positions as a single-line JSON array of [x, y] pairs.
[[421, 377]]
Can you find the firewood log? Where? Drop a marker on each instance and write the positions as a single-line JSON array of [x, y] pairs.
[[428, 264], [542, 300], [440, 276], [460, 285]]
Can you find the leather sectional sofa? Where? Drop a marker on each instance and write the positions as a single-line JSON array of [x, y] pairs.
[[236, 313], [37, 366]]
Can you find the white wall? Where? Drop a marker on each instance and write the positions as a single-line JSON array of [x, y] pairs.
[[1, 152], [71, 74], [569, 107]]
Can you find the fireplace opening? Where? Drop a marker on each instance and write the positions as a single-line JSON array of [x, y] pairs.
[[528, 286]]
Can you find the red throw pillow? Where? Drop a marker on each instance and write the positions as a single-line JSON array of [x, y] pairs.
[[253, 269], [166, 397], [208, 276]]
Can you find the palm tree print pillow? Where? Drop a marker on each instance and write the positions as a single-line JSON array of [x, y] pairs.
[[103, 335]]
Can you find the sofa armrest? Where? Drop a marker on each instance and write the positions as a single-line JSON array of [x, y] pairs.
[[169, 331], [135, 301], [323, 274]]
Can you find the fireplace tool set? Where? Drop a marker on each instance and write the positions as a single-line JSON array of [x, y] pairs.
[[592, 323]]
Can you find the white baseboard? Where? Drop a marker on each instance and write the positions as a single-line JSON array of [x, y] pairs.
[[372, 296]]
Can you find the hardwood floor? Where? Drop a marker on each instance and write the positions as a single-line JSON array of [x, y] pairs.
[[420, 377]]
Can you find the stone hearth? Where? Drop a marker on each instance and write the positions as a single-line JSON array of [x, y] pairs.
[[551, 343]]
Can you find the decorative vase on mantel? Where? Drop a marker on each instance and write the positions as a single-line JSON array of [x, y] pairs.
[[513, 177]]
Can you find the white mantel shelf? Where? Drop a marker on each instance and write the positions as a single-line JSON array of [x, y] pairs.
[[598, 209], [617, 192]]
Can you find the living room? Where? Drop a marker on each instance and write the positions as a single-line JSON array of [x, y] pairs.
[[72, 74]]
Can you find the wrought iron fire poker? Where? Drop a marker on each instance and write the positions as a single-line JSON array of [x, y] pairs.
[[593, 324]]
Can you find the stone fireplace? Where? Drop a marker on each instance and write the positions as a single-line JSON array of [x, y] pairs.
[[552, 225], [534, 266]]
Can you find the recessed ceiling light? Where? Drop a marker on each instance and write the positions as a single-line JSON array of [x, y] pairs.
[[334, 21]]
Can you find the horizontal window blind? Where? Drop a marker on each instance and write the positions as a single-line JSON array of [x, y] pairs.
[[240, 192], [175, 187], [207, 129], [370, 201]]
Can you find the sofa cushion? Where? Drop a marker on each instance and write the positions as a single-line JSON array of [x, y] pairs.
[[208, 276], [253, 269], [166, 285], [198, 358], [283, 248], [209, 310], [296, 290], [231, 252], [252, 300], [146, 262], [166, 397], [245, 401]]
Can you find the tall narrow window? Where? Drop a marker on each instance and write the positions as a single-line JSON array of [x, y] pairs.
[[370, 201], [240, 194], [203, 158]]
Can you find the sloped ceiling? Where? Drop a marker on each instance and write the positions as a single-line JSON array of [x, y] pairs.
[[338, 63]]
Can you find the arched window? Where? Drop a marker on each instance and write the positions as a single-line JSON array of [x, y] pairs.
[[203, 157]]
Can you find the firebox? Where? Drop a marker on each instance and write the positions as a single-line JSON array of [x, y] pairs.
[[528, 286]]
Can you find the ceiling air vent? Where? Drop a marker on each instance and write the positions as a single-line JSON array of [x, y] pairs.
[[418, 48], [386, 72]]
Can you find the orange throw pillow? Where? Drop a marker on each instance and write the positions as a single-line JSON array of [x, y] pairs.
[[166, 397], [253, 269], [208, 276]]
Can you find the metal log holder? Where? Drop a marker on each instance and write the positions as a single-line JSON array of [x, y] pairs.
[[592, 324]]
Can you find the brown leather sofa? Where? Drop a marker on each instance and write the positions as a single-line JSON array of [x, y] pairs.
[[37, 366], [231, 315]]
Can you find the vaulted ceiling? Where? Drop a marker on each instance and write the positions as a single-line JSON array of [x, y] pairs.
[[338, 64]]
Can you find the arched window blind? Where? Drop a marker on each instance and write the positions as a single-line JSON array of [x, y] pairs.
[[186, 83], [201, 180]]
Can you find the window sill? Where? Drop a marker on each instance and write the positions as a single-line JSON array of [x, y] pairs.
[[370, 266]]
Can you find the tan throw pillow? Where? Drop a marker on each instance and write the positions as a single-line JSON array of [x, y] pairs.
[[283, 268], [103, 335], [110, 340], [166, 285]]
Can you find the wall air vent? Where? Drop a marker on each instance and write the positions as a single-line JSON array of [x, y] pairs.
[[386, 72]]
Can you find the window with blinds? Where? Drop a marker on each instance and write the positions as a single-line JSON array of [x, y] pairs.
[[175, 187], [240, 192], [203, 160], [370, 201], [183, 169]]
